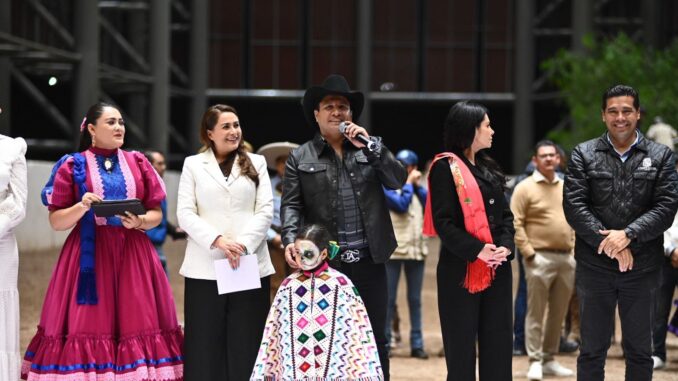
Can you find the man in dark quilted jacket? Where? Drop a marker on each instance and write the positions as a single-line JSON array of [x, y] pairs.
[[620, 195]]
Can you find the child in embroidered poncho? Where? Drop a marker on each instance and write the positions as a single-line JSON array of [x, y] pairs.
[[318, 326]]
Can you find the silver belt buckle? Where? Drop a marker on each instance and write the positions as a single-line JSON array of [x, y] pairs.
[[350, 256]]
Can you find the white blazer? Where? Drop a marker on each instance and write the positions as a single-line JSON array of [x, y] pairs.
[[208, 206]]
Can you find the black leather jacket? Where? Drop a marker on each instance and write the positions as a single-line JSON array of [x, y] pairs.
[[310, 190], [638, 196]]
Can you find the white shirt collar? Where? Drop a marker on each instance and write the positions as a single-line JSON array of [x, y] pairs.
[[623, 155]]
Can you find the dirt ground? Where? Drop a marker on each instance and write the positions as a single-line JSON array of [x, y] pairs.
[[36, 268]]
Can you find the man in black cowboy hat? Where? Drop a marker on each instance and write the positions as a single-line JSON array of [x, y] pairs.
[[336, 181]]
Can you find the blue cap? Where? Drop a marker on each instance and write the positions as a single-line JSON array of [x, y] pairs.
[[407, 157]]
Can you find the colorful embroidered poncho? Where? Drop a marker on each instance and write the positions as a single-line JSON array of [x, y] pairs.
[[318, 329]]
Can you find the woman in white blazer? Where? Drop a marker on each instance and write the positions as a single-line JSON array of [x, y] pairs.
[[225, 205], [13, 195]]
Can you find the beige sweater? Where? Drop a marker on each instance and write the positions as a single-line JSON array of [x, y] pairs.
[[539, 220], [408, 231]]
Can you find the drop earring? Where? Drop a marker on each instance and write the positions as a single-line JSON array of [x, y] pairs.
[[94, 141]]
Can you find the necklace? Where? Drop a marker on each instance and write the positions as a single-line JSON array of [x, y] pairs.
[[108, 164]]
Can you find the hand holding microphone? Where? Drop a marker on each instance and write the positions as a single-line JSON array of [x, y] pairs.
[[357, 134]]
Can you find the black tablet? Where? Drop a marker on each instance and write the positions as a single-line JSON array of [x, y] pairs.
[[110, 208]]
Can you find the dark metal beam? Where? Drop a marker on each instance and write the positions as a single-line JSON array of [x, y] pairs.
[[364, 69], [159, 49], [480, 56], [523, 123], [130, 125], [304, 43], [86, 73], [117, 74], [548, 10], [181, 10], [179, 73], [5, 67], [619, 21], [124, 5], [51, 145], [177, 138], [125, 45], [198, 68], [582, 23], [246, 50], [137, 94], [421, 44], [177, 91], [23, 45], [600, 4], [376, 95], [53, 22], [552, 32], [45, 104]]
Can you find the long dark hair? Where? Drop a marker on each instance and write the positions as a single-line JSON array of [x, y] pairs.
[[209, 120], [316, 234], [93, 113], [460, 130]]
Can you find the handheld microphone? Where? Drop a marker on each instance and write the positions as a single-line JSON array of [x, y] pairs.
[[371, 145]]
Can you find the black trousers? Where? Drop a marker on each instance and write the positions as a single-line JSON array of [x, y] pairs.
[[667, 286], [484, 317], [599, 292], [370, 280], [222, 332]]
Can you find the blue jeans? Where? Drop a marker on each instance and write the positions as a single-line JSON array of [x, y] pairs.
[[414, 273], [600, 292], [162, 257], [520, 307]]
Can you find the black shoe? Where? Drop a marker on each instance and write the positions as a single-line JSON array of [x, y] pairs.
[[519, 352], [567, 346], [419, 353]]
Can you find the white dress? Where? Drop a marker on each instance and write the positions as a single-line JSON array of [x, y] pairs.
[[12, 211]]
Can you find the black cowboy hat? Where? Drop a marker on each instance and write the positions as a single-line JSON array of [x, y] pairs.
[[335, 84]]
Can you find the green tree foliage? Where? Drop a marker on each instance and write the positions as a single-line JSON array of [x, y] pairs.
[[582, 79]]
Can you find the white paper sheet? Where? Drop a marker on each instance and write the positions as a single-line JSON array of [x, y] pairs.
[[245, 277]]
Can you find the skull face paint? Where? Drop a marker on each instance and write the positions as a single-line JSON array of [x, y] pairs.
[[310, 256]]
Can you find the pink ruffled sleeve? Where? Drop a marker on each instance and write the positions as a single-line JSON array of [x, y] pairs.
[[63, 193], [154, 187]]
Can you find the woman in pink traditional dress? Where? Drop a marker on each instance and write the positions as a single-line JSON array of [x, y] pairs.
[[108, 312], [472, 217]]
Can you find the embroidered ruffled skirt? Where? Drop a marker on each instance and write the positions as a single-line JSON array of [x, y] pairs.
[[131, 334]]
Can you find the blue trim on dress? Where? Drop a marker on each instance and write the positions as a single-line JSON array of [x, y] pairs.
[[105, 366]]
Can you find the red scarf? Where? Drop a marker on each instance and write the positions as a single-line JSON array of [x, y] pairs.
[[478, 275]]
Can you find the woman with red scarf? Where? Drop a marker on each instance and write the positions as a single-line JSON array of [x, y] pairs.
[[467, 209]]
